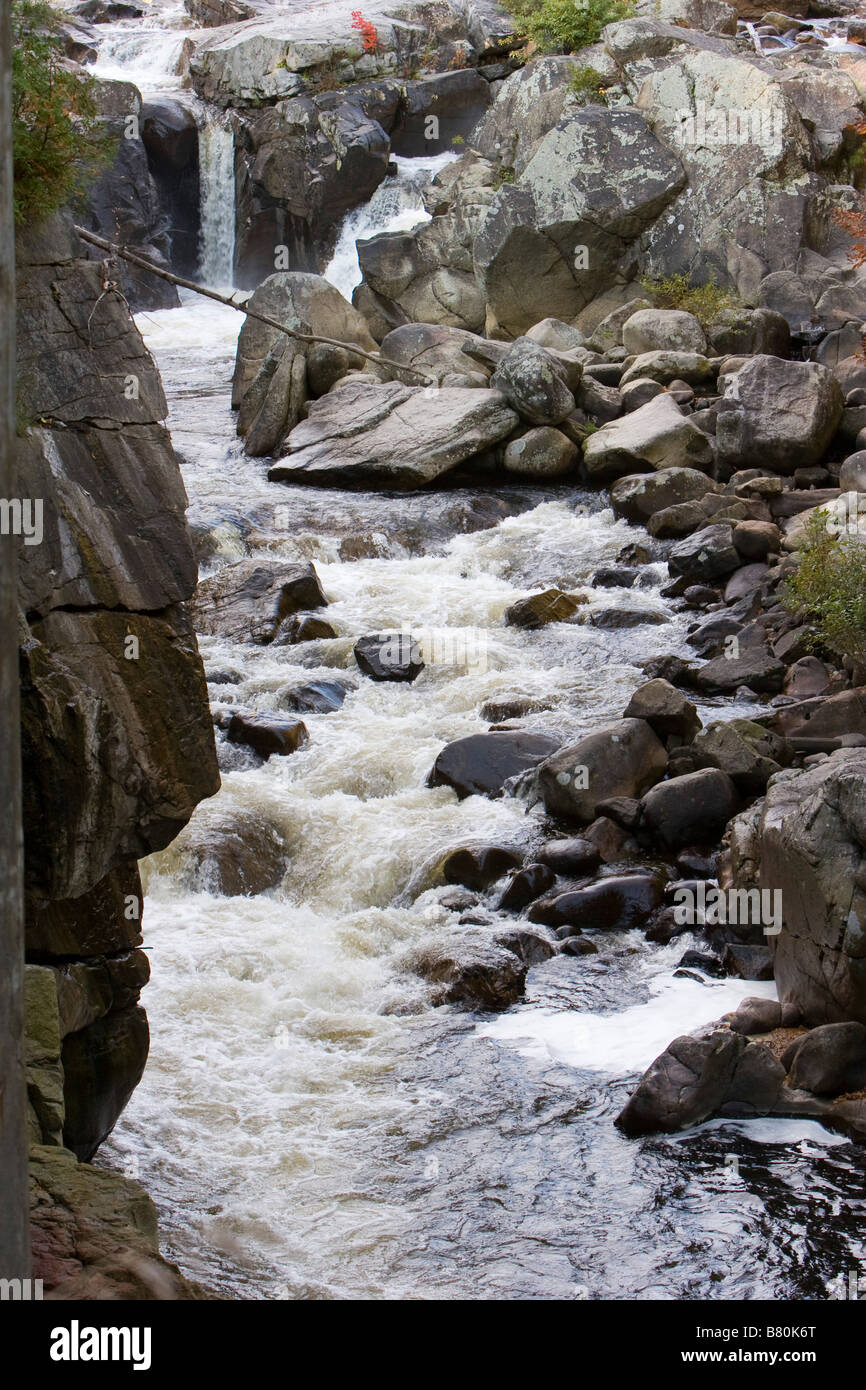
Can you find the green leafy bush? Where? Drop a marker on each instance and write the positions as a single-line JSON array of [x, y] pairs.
[[586, 84], [829, 589], [57, 142], [563, 26], [503, 175], [706, 302]]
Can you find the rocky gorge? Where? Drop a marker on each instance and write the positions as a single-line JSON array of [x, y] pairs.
[[519, 748]]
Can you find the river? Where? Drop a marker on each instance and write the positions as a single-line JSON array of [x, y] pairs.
[[309, 1125]]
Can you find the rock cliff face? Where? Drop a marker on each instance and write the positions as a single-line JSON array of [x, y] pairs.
[[699, 157], [117, 744]]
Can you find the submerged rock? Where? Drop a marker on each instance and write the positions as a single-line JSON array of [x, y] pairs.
[[479, 866], [233, 853], [316, 697], [389, 656], [471, 970], [267, 734], [551, 606]]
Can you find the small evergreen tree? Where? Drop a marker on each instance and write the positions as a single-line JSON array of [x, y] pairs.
[[56, 138]]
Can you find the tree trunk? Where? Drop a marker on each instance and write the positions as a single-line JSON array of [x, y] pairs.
[[14, 1201]]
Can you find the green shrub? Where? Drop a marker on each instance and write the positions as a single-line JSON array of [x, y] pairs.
[[503, 175], [563, 26], [586, 84], [57, 141], [706, 302], [829, 589]]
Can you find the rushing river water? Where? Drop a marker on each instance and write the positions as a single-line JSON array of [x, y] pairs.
[[309, 1125]]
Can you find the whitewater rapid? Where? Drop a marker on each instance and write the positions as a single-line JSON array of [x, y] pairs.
[[309, 1124]]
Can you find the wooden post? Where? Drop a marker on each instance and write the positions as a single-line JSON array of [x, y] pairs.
[[14, 1202]]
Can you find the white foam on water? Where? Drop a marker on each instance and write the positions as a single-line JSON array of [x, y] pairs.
[[625, 1042]]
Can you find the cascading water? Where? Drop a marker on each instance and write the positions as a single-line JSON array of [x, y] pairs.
[[146, 51], [831, 34], [216, 153], [308, 1124], [149, 53], [396, 206]]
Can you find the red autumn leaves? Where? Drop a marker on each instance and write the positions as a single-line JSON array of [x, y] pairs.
[[369, 34]]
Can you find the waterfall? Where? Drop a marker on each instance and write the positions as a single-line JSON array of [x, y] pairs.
[[217, 181], [396, 206]]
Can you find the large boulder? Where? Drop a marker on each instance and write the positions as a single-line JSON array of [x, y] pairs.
[[638, 496], [273, 404], [556, 237], [471, 970], [621, 759], [748, 158], [830, 1059], [391, 436], [267, 734], [536, 610], [778, 415], [389, 656], [652, 330], [432, 349], [706, 554], [617, 903], [295, 298], [247, 601], [529, 104], [809, 843], [692, 809], [747, 752], [666, 365], [656, 436], [300, 165], [756, 666], [665, 709], [426, 275], [684, 1086], [481, 764], [531, 380], [540, 453]]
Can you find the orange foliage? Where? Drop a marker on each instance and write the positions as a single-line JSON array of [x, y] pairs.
[[369, 32]]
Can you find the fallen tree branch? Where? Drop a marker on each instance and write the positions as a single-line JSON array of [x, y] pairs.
[[172, 279]]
